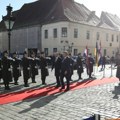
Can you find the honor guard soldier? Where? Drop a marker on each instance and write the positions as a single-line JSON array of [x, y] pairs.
[[26, 68], [57, 65], [65, 71], [44, 69], [16, 68], [6, 71], [33, 67], [0, 69]]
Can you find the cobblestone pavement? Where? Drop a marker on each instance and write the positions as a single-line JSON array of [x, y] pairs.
[[72, 105]]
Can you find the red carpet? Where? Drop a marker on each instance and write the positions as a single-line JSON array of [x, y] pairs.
[[46, 91]]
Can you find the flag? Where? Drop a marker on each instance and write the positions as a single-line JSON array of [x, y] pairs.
[[86, 52], [96, 54]]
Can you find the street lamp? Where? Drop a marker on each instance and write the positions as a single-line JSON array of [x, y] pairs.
[[9, 21]]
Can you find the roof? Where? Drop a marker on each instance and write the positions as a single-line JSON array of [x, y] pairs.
[[111, 20], [50, 11]]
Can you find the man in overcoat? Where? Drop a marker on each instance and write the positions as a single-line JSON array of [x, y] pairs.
[[57, 65], [65, 70]]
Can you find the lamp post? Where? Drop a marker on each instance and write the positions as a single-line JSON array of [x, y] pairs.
[[9, 21]]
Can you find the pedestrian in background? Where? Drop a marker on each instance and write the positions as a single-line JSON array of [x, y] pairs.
[[118, 66], [79, 66]]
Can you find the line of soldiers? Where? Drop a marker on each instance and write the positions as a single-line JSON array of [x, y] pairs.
[[10, 68], [64, 66]]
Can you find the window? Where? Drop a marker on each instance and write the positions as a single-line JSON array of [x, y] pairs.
[[98, 36], [46, 34], [64, 32], [88, 35], [55, 33], [112, 38], [75, 51], [110, 44], [46, 51], [75, 33], [54, 49], [107, 37], [117, 38]]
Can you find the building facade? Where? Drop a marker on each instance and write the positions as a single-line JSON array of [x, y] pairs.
[[63, 25]]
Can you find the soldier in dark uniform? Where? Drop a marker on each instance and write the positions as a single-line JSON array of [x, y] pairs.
[[44, 69], [16, 68], [57, 65], [26, 69], [65, 70], [6, 71], [33, 67], [0, 69], [90, 65], [118, 66], [79, 66]]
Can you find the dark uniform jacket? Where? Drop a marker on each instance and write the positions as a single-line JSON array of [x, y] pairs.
[[118, 68], [57, 66], [16, 67], [26, 68], [6, 71], [0, 69], [43, 66], [33, 66]]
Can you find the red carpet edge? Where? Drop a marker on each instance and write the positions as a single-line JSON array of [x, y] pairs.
[[46, 91]]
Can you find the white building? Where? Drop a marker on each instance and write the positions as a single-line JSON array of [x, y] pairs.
[[57, 25]]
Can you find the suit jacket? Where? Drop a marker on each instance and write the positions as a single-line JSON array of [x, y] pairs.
[[65, 66], [57, 66]]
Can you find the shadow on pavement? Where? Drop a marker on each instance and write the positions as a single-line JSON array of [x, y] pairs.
[[41, 101], [116, 92]]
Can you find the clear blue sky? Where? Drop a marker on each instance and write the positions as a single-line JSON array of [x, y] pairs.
[[111, 6]]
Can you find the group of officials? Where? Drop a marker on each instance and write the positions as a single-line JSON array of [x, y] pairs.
[[10, 68]]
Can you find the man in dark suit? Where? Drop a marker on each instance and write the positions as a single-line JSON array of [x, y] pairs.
[[16, 68], [65, 70], [6, 70], [57, 65]]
